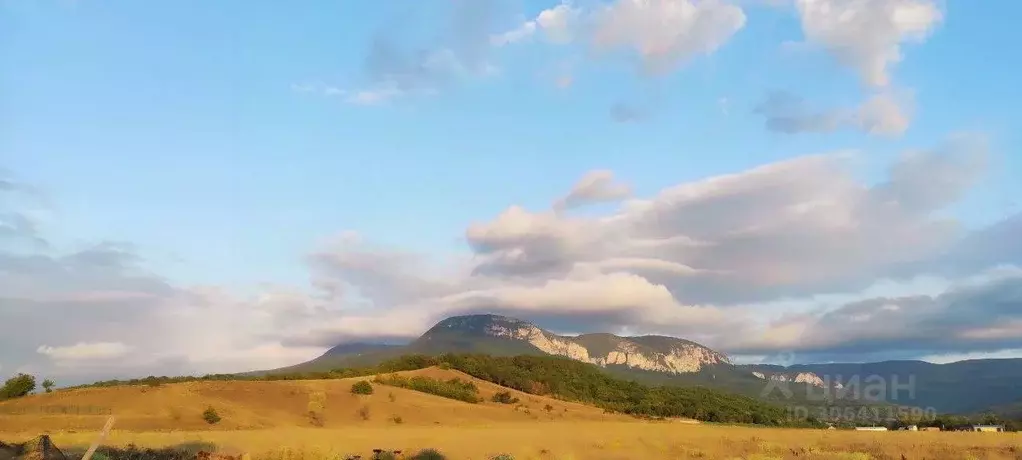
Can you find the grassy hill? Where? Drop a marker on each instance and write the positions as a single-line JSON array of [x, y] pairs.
[[565, 379], [269, 404]]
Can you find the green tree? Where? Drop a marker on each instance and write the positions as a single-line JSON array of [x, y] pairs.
[[48, 385], [17, 386]]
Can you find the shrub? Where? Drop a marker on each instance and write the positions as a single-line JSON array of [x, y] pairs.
[[445, 365], [397, 419], [210, 416], [48, 385], [504, 397], [428, 454], [316, 407], [548, 408], [364, 412], [362, 387], [503, 457]]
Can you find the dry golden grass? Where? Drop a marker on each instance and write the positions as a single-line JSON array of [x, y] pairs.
[[584, 440], [269, 420], [277, 404]]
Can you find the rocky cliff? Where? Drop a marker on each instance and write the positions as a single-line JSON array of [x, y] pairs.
[[652, 353]]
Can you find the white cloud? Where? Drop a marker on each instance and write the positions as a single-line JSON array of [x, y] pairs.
[[558, 25], [739, 261], [868, 35], [85, 351], [666, 33]]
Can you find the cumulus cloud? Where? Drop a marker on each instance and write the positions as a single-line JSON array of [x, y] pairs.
[[868, 35], [712, 248], [737, 261], [664, 34], [883, 114]]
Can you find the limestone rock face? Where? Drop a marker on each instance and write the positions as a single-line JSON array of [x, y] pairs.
[[652, 353], [800, 377]]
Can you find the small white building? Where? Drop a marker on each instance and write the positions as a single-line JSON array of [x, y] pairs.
[[988, 428], [870, 428]]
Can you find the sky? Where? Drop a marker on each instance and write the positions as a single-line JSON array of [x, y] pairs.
[[193, 187]]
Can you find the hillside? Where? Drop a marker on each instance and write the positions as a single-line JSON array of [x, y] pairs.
[[656, 360], [277, 404], [961, 387]]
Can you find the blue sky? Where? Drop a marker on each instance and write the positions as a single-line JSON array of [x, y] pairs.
[[182, 127]]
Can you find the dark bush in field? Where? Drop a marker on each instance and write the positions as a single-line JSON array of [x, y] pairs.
[[504, 397], [362, 387]]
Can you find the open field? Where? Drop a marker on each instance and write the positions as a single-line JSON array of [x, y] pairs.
[[269, 420], [246, 405], [584, 440]]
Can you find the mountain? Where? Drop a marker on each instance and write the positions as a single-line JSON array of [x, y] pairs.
[[503, 336], [961, 387], [656, 360], [651, 353], [1011, 411]]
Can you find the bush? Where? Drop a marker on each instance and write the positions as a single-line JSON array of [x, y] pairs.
[[48, 385], [210, 416], [17, 386], [362, 387], [364, 412], [504, 397], [548, 408], [316, 407], [503, 457], [397, 419], [428, 454]]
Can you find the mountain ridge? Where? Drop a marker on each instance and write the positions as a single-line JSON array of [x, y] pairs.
[[960, 387]]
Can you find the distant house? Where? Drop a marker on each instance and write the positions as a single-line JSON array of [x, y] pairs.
[[988, 428], [870, 428]]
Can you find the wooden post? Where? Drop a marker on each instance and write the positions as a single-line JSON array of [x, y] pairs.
[[99, 439]]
